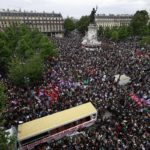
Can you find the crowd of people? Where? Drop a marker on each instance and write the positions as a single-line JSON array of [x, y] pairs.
[[78, 76]]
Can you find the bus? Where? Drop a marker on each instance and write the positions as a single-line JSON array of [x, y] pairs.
[[55, 126]]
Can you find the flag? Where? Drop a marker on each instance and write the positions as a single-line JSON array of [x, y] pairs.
[[139, 101]]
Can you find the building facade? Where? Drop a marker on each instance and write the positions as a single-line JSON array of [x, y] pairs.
[[112, 20], [51, 24]]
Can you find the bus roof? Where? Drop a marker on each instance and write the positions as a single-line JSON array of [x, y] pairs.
[[37, 126]]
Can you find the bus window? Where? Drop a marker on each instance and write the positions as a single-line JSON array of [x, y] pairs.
[[62, 128], [67, 126], [54, 131], [84, 120], [88, 118]]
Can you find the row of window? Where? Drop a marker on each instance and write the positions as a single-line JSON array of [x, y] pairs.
[[54, 131], [51, 22], [30, 18], [113, 18], [110, 25]]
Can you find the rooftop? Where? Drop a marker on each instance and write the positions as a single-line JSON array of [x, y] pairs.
[[8, 12]]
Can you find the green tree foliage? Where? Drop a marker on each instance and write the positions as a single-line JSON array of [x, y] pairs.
[[7, 142], [3, 97], [107, 32], [26, 73], [23, 48], [11, 36], [23, 43], [17, 72], [35, 39], [139, 22], [82, 24], [115, 35], [100, 31], [123, 32], [4, 53], [3, 140], [47, 48], [148, 29], [145, 41], [69, 25], [3, 100], [34, 68]]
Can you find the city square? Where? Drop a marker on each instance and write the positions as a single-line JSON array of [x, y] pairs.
[[70, 83]]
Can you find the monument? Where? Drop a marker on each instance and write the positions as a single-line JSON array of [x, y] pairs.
[[90, 41]]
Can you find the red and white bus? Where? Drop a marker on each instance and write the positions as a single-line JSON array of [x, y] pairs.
[[55, 126]]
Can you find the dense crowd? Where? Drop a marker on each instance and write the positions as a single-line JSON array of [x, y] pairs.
[[78, 76]]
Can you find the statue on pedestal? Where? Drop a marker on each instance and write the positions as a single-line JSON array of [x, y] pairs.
[[90, 39]]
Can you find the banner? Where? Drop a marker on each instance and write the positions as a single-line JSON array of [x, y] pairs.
[[52, 93], [139, 101]]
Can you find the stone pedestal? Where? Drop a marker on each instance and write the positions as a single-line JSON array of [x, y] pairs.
[[90, 39]]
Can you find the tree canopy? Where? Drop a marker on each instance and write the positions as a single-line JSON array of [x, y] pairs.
[[3, 97], [82, 24], [69, 25], [139, 22], [3, 100], [23, 55], [100, 31], [145, 41]]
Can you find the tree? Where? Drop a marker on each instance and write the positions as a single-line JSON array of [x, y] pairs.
[[148, 29], [83, 23], [20, 46], [4, 54], [34, 70], [123, 32], [3, 140], [69, 25], [107, 32], [17, 72], [47, 48], [145, 41], [100, 31], [23, 43], [23, 50], [11, 36], [7, 142], [29, 72], [3, 100], [35, 38], [3, 97], [139, 22], [115, 35]]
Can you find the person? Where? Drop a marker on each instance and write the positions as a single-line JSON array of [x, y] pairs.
[[78, 76]]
